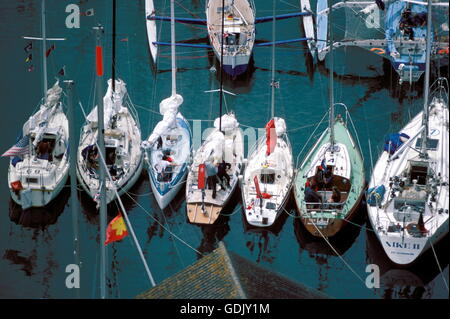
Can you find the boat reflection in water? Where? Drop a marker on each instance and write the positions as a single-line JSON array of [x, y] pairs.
[[129, 199], [413, 282], [319, 250], [39, 217], [264, 240]]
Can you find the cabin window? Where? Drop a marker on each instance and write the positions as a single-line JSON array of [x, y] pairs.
[[267, 178], [271, 205], [419, 173]]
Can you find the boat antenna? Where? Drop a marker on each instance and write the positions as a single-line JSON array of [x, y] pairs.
[[113, 71], [272, 103], [44, 49], [221, 66], [331, 93], [423, 150], [172, 31]]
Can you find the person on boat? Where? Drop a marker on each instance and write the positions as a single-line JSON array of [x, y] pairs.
[[311, 195], [211, 173], [223, 175], [406, 24], [90, 153], [335, 196], [43, 151], [324, 177]]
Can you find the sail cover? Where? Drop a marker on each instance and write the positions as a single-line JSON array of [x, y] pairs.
[[112, 102], [394, 141], [229, 123], [169, 109], [271, 137]]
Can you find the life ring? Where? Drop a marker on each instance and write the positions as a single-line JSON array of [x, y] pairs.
[[378, 51], [443, 51]]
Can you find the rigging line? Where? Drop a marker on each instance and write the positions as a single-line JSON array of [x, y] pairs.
[[145, 194], [233, 212], [337, 254], [135, 241], [172, 239], [289, 4], [162, 226], [439, 265]]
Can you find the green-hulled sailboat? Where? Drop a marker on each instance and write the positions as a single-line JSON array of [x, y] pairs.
[[334, 170]]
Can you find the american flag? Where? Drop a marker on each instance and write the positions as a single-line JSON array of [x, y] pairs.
[[20, 148]]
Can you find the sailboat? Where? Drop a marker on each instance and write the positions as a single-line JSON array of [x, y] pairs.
[[408, 196], [392, 29], [231, 20], [267, 180], [223, 148], [168, 148], [122, 139], [333, 170], [39, 161], [238, 32]]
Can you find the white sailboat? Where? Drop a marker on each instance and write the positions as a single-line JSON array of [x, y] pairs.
[[224, 144], [408, 196], [122, 139], [267, 180], [39, 161], [233, 24], [221, 156], [168, 148]]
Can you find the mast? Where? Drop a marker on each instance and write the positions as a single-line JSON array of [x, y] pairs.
[[423, 148], [101, 146], [272, 103], [44, 49], [221, 66], [331, 93], [113, 71], [172, 34], [73, 173]]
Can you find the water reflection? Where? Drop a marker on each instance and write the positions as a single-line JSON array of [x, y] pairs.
[[129, 201], [39, 217], [264, 241], [407, 282]]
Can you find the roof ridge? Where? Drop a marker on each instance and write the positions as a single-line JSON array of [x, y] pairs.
[[232, 271]]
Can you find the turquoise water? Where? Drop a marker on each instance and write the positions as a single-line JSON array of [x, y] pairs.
[[33, 261]]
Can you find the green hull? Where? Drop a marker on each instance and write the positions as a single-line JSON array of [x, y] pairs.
[[323, 220]]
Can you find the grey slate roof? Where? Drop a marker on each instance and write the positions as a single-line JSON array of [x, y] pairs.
[[226, 275]]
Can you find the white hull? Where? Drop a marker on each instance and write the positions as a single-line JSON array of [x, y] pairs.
[[151, 29], [123, 142], [278, 168], [239, 28], [165, 191], [164, 200], [391, 223], [43, 179], [308, 26]]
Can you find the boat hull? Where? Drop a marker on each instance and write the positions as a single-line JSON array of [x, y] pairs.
[[333, 226], [41, 197]]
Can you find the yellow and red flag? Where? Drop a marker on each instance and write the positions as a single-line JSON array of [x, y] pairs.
[[116, 230]]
